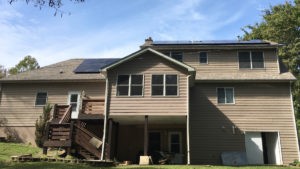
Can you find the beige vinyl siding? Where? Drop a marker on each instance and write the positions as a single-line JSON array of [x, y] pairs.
[[148, 64], [18, 100], [227, 61], [258, 107]]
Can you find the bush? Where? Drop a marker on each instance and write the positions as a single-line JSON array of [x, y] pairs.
[[40, 125]]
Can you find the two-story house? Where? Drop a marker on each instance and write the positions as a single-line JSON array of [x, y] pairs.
[[201, 102]]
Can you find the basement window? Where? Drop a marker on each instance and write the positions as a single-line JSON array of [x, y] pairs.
[[225, 95], [41, 98], [130, 85]]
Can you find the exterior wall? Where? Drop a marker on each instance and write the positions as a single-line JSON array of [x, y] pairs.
[[148, 64], [17, 104], [258, 107], [131, 140], [227, 61]]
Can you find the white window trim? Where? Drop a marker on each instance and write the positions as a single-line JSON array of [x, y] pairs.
[[164, 86], [180, 140], [200, 57], [129, 86], [251, 63], [78, 102], [233, 93], [36, 98]]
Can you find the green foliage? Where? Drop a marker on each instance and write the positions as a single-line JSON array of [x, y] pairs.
[[28, 63], [281, 23], [40, 125], [2, 71]]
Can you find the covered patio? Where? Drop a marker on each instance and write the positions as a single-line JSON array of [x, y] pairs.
[[161, 137]]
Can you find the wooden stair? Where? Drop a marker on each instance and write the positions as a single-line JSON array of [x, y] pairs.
[[63, 132]]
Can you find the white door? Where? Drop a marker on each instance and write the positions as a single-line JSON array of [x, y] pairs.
[[254, 148], [74, 101]]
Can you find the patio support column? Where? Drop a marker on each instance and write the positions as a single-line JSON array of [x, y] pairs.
[[110, 126], [146, 136]]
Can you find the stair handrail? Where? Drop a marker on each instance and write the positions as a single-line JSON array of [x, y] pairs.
[[87, 132], [67, 115]]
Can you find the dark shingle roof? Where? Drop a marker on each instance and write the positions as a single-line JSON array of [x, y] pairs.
[[211, 42], [59, 71]]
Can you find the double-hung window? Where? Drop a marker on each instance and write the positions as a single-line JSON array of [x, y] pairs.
[[175, 55], [251, 60], [164, 85], [130, 85], [41, 98], [225, 95], [203, 57]]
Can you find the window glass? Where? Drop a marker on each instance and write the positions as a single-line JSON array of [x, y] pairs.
[[177, 56], [203, 57], [123, 79], [136, 79], [225, 95], [257, 60], [171, 79], [73, 102], [221, 95], [244, 60], [41, 98], [132, 83], [164, 85], [157, 79], [229, 95], [157, 90], [175, 143]]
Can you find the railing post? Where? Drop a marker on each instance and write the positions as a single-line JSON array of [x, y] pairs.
[[71, 136]]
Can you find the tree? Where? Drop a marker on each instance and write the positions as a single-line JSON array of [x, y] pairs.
[[2, 71], [281, 23], [55, 4], [28, 63], [41, 125]]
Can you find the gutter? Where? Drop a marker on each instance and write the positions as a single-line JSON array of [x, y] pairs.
[[105, 118], [188, 121]]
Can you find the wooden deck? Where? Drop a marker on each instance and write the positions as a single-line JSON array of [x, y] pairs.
[[64, 132]]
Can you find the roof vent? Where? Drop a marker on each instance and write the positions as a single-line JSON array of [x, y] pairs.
[[61, 71]]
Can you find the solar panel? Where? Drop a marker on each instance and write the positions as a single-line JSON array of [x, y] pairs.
[[210, 42], [94, 65]]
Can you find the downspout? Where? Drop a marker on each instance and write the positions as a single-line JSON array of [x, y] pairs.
[[105, 117], [294, 120], [188, 120]]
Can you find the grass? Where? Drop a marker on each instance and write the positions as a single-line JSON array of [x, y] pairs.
[[10, 149]]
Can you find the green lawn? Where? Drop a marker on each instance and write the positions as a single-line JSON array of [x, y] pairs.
[[10, 149]]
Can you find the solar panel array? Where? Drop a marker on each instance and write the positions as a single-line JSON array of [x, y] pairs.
[[94, 65], [211, 42]]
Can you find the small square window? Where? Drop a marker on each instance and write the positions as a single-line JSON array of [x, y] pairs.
[[177, 55], [41, 99], [225, 95], [203, 57]]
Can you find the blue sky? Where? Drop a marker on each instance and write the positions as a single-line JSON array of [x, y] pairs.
[[116, 28]]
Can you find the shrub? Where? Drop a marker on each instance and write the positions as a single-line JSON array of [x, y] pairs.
[[40, 125]]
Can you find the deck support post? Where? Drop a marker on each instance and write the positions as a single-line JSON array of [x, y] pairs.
[[110, 126], [146, 136]]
